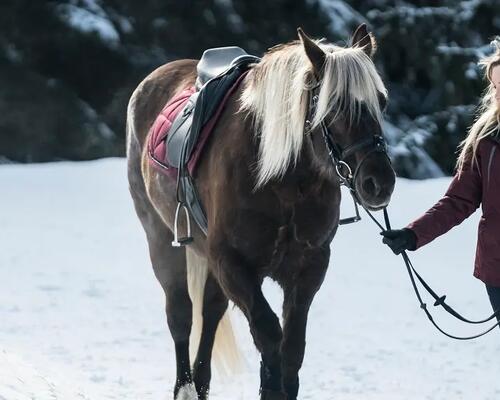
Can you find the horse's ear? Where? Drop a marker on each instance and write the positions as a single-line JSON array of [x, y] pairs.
[[363, 38], [313, 52]]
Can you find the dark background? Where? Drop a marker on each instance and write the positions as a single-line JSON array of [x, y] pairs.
[[67, 68]]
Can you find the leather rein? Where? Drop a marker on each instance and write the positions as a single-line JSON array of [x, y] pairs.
[[377, 143]]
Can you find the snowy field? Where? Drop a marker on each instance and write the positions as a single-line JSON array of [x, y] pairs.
[[81, 314]]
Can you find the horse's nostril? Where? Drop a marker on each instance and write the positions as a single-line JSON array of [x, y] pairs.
[[374, 187], [370, 186]]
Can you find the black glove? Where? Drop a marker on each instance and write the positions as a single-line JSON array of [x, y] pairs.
[[400, 239]]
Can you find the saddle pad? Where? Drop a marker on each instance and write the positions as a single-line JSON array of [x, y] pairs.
[[159, 131]]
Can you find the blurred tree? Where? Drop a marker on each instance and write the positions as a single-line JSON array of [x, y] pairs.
[[74, 63]]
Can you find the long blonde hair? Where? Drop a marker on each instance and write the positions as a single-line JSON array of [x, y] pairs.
[[488, 118]]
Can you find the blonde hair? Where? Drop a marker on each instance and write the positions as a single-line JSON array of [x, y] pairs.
[[488, 119], [277, 97]]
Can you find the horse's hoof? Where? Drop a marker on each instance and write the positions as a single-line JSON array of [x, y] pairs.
[[273, 395], [187, 392]]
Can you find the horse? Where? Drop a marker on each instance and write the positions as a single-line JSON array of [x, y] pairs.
[[271, 194]]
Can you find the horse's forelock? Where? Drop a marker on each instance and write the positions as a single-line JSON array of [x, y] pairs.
[[350, 79]]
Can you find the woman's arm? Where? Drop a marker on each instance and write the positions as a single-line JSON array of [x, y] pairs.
[[461, 199]]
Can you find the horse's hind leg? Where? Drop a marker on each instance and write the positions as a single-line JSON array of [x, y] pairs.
[[169, 265], [214, 307]]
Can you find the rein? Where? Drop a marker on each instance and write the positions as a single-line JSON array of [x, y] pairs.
[[439, 300], [377, 143]]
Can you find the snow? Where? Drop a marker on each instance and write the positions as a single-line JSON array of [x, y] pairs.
[[233, 18], [471, 71], [82, 314], [462, 11], [476, 52], [411, 13], [102, 128], [342, 15], [91, 18], [406, 145], [187, 392], [22, 382], [12, 53]]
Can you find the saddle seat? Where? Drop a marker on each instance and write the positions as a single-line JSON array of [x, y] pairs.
[[213, 62]]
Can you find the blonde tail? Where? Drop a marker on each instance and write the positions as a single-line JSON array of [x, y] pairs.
[[225, 354]]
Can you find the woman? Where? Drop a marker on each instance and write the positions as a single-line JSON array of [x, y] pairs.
[[476, 182]]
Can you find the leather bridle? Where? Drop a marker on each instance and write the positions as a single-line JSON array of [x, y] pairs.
[[339, 155]]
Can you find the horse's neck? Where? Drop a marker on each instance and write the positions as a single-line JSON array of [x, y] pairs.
[[307, 178]]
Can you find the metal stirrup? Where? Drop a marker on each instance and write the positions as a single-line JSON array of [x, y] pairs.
[[188, 238]]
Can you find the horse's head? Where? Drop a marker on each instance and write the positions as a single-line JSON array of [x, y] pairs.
[[346, 101]]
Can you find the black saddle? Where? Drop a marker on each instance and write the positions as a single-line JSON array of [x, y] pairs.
[[218, 70]]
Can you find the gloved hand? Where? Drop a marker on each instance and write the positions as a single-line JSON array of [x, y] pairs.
[[400, 239]]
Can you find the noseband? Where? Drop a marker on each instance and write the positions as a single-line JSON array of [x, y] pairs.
[[339, 155]]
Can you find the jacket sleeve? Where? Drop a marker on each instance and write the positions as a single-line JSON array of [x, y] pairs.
[[461, 199]]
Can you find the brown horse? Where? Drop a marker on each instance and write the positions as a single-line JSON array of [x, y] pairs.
[[271, 194]]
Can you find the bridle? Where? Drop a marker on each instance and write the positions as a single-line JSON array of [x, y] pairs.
[[339, 155], [377, 144]]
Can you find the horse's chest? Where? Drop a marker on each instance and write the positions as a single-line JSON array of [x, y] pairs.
[[313, 221], [272, 244], [308, 229], [281, 224]]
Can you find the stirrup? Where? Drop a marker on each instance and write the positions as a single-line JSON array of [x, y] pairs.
[[179, 242]]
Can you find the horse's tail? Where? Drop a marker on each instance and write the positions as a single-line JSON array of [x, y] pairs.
[[226, 354]]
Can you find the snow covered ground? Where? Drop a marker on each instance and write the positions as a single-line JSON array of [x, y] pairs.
[[81, 314]]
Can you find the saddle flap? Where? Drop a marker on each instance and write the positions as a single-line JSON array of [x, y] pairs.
[[179, 132]]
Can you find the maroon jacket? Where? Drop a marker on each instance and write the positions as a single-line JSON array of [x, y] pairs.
[[476, 185]]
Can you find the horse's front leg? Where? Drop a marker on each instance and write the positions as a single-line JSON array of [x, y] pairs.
[[298, 295], [241, 285]]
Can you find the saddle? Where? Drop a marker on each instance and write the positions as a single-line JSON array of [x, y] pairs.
[[219, 72]]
